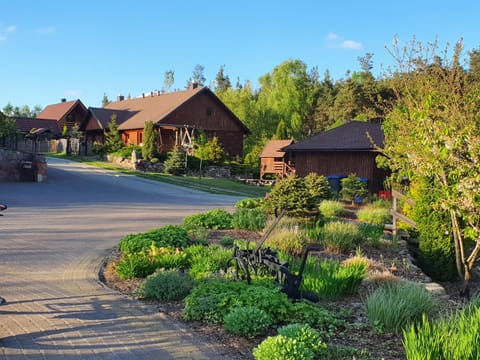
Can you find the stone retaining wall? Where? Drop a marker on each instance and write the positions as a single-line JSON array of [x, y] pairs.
[[22, 166]]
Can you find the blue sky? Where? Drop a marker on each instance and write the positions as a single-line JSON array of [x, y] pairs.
[[51, 49]]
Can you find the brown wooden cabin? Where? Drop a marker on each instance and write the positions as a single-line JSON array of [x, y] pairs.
[[342, 151], [273, 160], [67, 113], [178, 117]]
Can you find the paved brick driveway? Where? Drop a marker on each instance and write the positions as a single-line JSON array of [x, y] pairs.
[[52, 240]]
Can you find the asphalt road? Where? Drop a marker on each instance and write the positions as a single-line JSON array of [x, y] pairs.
[[53, 238]]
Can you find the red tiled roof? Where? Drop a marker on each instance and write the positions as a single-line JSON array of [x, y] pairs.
[[273, 148], [353, 136], [25, 125], [58, 111]]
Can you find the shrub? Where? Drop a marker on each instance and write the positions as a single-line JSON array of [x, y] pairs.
[[166, 285], [282, 348], [352, 187], [135, 266], [126, 152], [338, 236], [329, 279], [317, 317], [304, 334], [289, 194], [437, 250], [212, 219], [291, 240], [213, 299], [318, 187], [207, 262], [168, 258], [371, 234], [331, 208], [372, 215], [249, 203], [247, 321], [395, 305], [167, 236], [175, 163], [250, 219]]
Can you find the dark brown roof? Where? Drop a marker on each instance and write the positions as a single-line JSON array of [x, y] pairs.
[[25, 125], [104, 116], [353, 136], [58, 111], [273, 148], [155, 107]]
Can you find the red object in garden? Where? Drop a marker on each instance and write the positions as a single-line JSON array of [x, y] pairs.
[[384, 195]]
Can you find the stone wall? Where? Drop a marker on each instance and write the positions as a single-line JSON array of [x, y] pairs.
[[22, 166]]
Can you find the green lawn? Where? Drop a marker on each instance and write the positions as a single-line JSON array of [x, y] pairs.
[[207, 184]]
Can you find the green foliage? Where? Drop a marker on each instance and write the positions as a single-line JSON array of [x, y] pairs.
[[338, 236], [149, 144], [212, 219], [374, 215], [317, 317], [331, 208], [208, 261], [113, 141], [318, 187], [166, 285], [371, 234], [393, 306], [437, 250], [451, 338], [352, 187], [212, 300], [289, 194], [175, 163], [250, 219], [249, 203], [282, 348], [208, 150], [327, 278], [305, 335], [167, 236], [168, 257], [126, 151], [289, 238], [135, 266], [247, 321]]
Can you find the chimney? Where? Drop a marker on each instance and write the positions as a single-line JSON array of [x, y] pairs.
[[143, 95], [63, 100], [151, 93], [120, 98], [159, 92], [193, 85]]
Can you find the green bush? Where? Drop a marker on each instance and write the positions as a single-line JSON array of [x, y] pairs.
[[352, 187], [175, 162], [452, 338], [169, 258], [126, 152], [317, 317], [212, 219], [135, 266], [371, 234], [213, 299], [436, 245], [209, 261], [373, 215], [304, 334], [282, 348], [166, 285], [289, 194], [340, 237], [318, 187], [329, 279], [247, 321], [227, 241], [249, 203], [289, 239], [331, 208], [393, 306], [167, 236], [250, 219]]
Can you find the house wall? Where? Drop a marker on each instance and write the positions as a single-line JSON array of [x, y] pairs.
[[362, 164], [204, 112], [75, 116], [132, 137]]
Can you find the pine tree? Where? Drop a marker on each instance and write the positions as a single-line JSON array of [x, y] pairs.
[[148, 148], [175, 163], [113, 141]]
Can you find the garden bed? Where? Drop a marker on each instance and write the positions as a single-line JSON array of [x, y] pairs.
[[388, 259]]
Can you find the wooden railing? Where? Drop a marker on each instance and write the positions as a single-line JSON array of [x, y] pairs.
[[396, 195], [282, 169]]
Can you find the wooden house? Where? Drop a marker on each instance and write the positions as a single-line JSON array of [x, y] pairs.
[[274, 161], [67, 113], [178, 117], [339, 152]]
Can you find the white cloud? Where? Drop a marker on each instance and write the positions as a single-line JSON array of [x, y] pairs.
[[48, 30], [3, 38], [11, 29], [6, 31], [334, 40], [351, 44]]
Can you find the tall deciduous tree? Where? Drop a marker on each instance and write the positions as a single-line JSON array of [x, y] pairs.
[[433, 134], [168, 80]]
